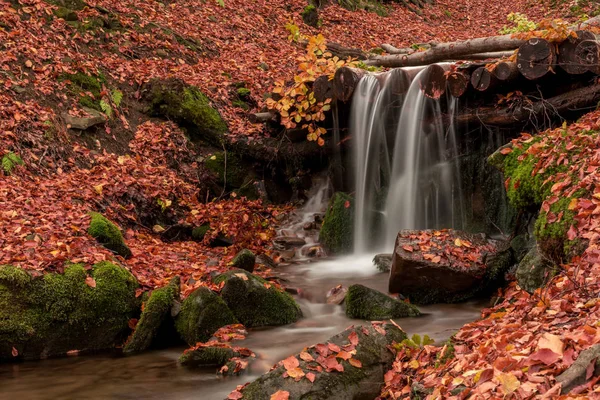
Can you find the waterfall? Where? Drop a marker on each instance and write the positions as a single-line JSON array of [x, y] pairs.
[[414, 186]]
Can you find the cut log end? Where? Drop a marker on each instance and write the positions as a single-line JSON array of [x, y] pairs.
[[536, 58], [458, 83], [588, 55], [506, 71], [483, 80], [433, 81], [345, 81], [567, 53]]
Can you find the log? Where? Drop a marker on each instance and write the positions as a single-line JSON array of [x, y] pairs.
[[588, 54], [448, 51], [506, 71], [322, 88], [433, 81], [257, 118], [345, 81], [510, 115], [486, 56], [536, 58], [567, 54], [458, 83], [398, 80], [483, 80], [342, 52]]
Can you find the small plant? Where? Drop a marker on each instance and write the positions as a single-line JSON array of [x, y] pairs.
[[10, 161], [294, 31], [448, 13], [106, 108], [370, 68], [415, 342], [116, 96], [521, 24]]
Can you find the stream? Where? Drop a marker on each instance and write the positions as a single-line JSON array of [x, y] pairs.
[[156, 375]]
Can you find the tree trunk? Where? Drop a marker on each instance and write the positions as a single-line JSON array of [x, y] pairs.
[[510, 115], [322, 88], [536, 58], [506, 71], [567, 53], [345, 81], [433, 81], [588, 55], [483, 80], [458, 83]]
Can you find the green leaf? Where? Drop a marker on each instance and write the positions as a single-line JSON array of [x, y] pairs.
[[427, 340], [9, 161], [221, 3], [106, 108], [416, 339], [116, 97]]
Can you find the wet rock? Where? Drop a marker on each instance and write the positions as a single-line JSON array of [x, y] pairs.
[[155, 315], [309, 226], [291, 290], [210, 356], [263, 259], [366, 303], [245, 260], [446, 266], [53, 314], [383, 262], [83, 123], [202, 313], [315, 251], [338, 226], [255, 302], [534, 271], [577, 373], [337, 295], [288, 242], [108, 234], [353, 383]]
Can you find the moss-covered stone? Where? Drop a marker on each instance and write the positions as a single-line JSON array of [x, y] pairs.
[[207, 357], [534, 271], [155, 311], [310, 16], [243, 93], [245, 260], [189, 107], [88, 85], [199, 232], [55, 313], [202, 313], [255, 302], [66, 14], [233, 173], [108, 234], [365, 303], [337, 231]]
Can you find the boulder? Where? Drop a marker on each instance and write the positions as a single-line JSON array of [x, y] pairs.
[[383, 262], [534, 270], [155, 315], [577, 373], [337, 231], [366, 303], [82, 123], [445, 266], [108, 234], [202, 313], [362, 380], [209, 356], [54, 314], [336, 295], [245, 260], [256, 302]]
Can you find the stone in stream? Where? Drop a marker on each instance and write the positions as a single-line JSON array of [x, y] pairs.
[[288, 242], [56, 314], [446, 266], [337, 295], [256, 302], [337, 231], [383, 262], [351, 380], [366, 303], [155, 319]]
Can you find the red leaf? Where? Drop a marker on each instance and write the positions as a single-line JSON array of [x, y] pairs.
[[408, 248], [546, 356], [311, 377], [333, 347], [90, 282], [15, 352], [353, 338], [572, 233], [347, 204], [355, 363]]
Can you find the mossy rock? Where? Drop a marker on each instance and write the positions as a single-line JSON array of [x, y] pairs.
[[84, 83], [66, 14], [155, 312], [255, 302], [534, 271], [310, 16], [233, 173], [189, 107], [337, 231], [56, 313], [245, 260], [243, 93], [108, 234], [366, 303], [207, 357], [199, 232], [201, 315]]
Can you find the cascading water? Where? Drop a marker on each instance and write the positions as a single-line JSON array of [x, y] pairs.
[[420, 175]]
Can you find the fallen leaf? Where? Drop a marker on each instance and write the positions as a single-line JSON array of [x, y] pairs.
[[91, 282], [15, 352], [280, 395]]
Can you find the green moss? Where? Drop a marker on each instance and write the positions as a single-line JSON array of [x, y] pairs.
[[56, 313], [156, 309], [337, 231], [199, 232], [240, 104], [255, 304], [70, 4], [245, 260], [66, 14], [233, 173], [189, 107], [365, 303], [89, 85], [243, 93], [108, 234], [207, 357], [202, 314]]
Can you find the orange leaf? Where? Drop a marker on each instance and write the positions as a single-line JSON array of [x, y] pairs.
[[311, 377], [290, 363], [15, 352], [90, 282], [280, 395], [355, 363]]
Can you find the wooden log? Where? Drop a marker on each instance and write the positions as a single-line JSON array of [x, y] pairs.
[[345, 81], [433, 81], [256, 118], [567, 53], [458, 83], [322, 88], [536, 58], [486, 56], [588, 54], [563, 103], [398, 80], [483, 80], [343, 52], [506, 71]]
